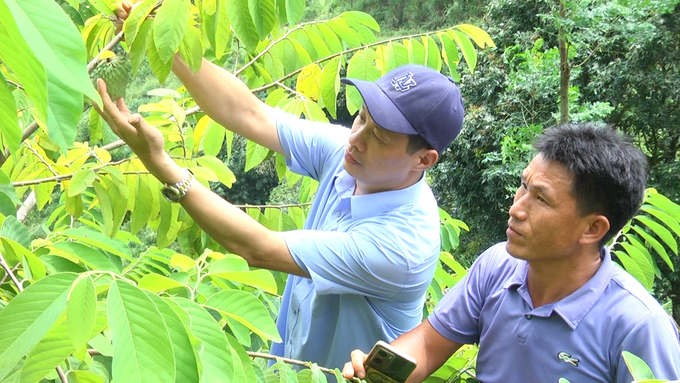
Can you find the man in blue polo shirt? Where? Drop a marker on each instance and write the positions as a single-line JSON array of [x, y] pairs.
[[550, 303], [370, 243]]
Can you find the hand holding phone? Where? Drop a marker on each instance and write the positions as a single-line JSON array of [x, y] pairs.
[[385, 364]]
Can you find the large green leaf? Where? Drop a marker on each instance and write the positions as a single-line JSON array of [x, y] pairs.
[[56, 41], [48, 353], [637, 367], [33, 266], [161, 69], [214, 351], [191, 49], [172, 20], [347, 34], [224, 174], [136, 18], [469, 52], [263, 15], [656, 245], [363, 18], [141, 341], [330, 85], [664, 217], [213, 139], [295, 9], [255, 154], [245, 373], [660, 231], [81, 312], [157, 283], [434, 58], [394, 55], [478, 35], [663, 203], [100, 241], [361, 67], [80, 181], [9, 121], [15, 52], [29, 316], [644, 262], [169, 226], [219, 30], [90, 256], [242, 22], [142, 212], [633, 268], [257, 278], [247, 310], [16, 231], [186, 364], [138, 47]]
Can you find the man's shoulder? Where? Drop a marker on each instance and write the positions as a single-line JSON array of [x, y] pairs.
[[630, 295]]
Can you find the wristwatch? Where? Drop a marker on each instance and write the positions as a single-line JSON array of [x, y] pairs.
[[175, 192]]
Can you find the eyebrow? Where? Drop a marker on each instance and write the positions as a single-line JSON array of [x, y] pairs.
[[545, 192]]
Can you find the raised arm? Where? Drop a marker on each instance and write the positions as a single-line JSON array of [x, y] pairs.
[[428, 347], [229, 102]]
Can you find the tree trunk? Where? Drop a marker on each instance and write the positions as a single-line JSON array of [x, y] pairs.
[[565, 70]]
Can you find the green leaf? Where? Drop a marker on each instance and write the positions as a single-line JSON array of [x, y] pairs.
[[312, 375], [78, 376], [295, 9], [656, 245], [142, 212], [637, 367], [660, 231], [664, 217], [347, 34], [224, 174], [643, 262], [101, 7], [172, 20], [263, 15], [15, 52], [29, 316], [136, 18], [141, 341], [241, 359], [242, 23], [478, 35], [469, 52], [169, 226], [663, 203], [16, 231], [138, 46], [416, 51], [9, 121], [262, 279], [81, 312], [330, 85], [330, 38], [56, 41], [91, 256], [186, 365], [36, 269], [361, 67], [247, 310], [363, 18], [80, 181], [99, 241], [157, 283], [191, 49], [394, 55], [433, 58], [633, 268], [161, 69], [48, 353], [313, 112], [213, 139], [221, 31], [255, 154], [214, 351], [280, 372]]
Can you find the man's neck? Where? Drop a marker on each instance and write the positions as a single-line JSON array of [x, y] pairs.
[[550, 281]]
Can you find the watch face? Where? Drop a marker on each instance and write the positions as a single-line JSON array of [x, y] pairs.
[[170, 193]]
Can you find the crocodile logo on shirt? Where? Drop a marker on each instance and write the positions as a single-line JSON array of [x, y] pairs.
[[566, 358]]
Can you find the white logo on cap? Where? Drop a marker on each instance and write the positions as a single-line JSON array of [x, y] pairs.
[[404, 82]]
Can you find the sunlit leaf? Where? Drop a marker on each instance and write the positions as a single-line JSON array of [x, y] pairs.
[[247, 310]]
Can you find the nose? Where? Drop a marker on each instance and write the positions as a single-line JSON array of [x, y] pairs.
[[357, 138], [518, 210]]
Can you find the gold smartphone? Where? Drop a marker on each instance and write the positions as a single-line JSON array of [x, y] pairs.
[[385, 364]]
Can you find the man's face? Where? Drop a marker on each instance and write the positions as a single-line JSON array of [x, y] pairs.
[[544, 224], [377, 157]]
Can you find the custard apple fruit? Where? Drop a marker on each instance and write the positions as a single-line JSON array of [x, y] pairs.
[[116, 72]]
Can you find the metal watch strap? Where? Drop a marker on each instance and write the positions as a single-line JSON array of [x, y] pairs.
[[184, 185]]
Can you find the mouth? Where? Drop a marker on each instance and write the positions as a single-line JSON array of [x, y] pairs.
[[350, 159], [511, 232]]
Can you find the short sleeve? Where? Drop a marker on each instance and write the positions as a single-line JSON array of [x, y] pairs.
[[650, 341], [456, 316], [369, 261], [309, 146]]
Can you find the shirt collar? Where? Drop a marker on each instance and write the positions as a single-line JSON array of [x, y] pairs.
[[573, 308], [370, 205]]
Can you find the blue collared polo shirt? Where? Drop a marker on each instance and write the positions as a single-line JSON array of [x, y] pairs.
[[580, 337], [371, 257]]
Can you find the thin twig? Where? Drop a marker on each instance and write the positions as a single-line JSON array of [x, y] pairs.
[[5, 266], [62, 376], [62, 177], [19, 86], [35, 152], [287, 360]]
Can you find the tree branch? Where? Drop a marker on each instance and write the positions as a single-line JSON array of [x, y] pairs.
[[62, 376], [287, 360], [9, 272]]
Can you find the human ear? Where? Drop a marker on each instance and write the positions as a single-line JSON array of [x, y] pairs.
[[597, 229], [427, 158]]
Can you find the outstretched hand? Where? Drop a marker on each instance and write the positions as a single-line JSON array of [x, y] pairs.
[[146, 141]]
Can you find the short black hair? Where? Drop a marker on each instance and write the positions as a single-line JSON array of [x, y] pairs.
[[609, 171], [416, 142]]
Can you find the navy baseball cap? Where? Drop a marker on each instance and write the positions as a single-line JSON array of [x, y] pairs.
[[414, 99]]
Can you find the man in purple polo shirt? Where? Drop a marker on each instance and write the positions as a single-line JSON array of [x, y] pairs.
[[550, 303]]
